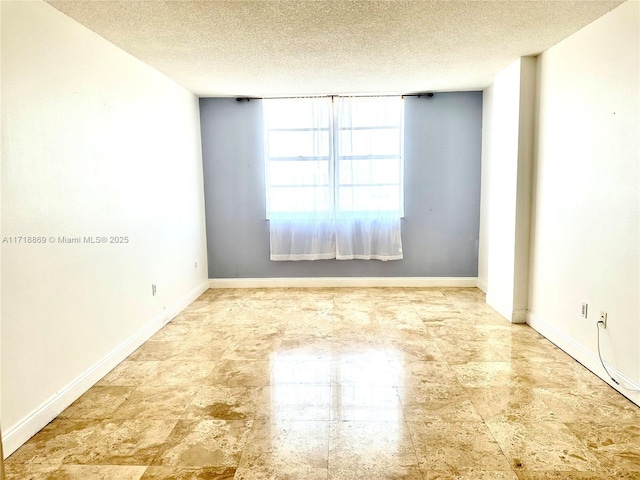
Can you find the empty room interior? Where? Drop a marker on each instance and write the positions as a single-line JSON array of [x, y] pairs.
[[320, 240]]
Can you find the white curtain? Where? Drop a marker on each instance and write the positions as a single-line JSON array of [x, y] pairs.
[[334, 178]]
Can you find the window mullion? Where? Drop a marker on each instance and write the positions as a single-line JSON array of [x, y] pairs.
[[333, 163]]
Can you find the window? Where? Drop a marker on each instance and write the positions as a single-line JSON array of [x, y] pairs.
[[334, 177], [343, 155]]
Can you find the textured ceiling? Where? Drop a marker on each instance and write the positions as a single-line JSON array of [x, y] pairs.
[[283, 47]]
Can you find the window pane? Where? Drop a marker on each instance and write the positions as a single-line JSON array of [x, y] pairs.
[[305, 172], [369, 142], [366, 198], [297, 144], [369, 171], [368, 112], [297, 113], [299, 199]]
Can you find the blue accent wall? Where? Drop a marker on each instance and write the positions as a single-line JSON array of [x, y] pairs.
[[442, 193]]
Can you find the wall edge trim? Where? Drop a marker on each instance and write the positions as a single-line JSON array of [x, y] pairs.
[[35, 421], [333, 282], [583, 356]]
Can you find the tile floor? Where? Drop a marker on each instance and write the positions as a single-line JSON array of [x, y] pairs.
[[341, 384]]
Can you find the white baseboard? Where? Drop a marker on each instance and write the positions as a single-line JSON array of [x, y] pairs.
[[584, 356], [326, 282], [17, 435], [519, 316], [482, 286]]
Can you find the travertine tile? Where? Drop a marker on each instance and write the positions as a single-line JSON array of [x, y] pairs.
[[365, 403], [99, 472], [597, 405], [391, 383], [456, 446], [240, 373], [422, 374], [282, 449], [157, 350], [510, 404], [296, 402], [122, 442], [181, 373], [455, 474], [156, 402], [540, 446], [486, 374], [183, 473], [616, 446], [225, 403], [204, 443], [17, 470], [98, 403], [130, 373], [567, 475], [371, 450], [55, 443], [448, 402]]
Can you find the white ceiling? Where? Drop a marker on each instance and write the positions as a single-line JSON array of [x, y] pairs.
[[292, 47]]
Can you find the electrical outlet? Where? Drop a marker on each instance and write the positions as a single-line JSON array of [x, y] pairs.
[[603, 319], [585, 307], [153, 289]]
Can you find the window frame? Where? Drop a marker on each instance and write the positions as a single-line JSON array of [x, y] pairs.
[[333, 128]]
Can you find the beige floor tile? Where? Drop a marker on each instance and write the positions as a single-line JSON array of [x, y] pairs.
[[157, 350], [616, 446], [225, 403], [285, 450], [540, 446], [362, 368], [181, 373], [598, 405], [422, 374], [99, 472], [456, 446], [156, 402], [240, 373], [455, 474], [123, 442], [450, 403], [284, 402], [302, 369], [365, 403], [371, 450], [130, 373], [181, 473], [486, 374], [412, 349], [567, 475], [98, 403], [204, 443], [363, 383], [31, 471], [56, 442], [457, 352], [510, 404]]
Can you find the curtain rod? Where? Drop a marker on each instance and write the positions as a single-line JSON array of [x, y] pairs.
[[418, 95]]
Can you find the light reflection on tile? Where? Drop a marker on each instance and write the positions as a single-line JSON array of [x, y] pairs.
[[388, 383], [355, 402]]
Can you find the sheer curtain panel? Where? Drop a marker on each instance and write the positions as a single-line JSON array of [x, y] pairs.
[[334, 177]]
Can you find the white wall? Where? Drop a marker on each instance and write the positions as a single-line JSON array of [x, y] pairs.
[[507, 151], [585, 229], [94, 143]]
